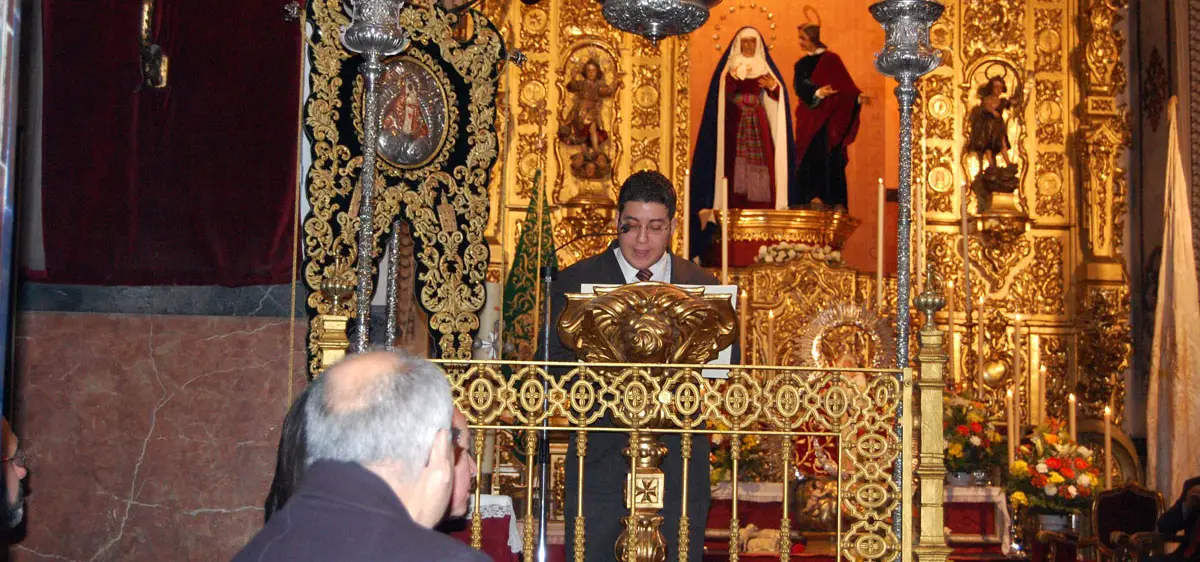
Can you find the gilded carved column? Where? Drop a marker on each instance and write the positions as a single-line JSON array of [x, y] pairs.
[[1104, 336], [931, 380]]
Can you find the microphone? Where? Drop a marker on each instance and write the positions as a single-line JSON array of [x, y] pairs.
[[624, 229]]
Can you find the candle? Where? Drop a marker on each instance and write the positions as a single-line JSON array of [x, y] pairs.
[[725, 231], [1107, 448], [965, 257], [770, 337], [1071, 406], [879, 250], [685, 243], [979, 348], [744, 318], [1018, 368], [950, 328], [489, 451], [1012, 441]]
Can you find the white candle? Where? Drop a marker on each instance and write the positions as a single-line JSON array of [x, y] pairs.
[[1012, 440], [771, 337], [489, 451], [725, 231], [1071, 406], [950, 328], [966, 233], [979, 348], [1107, 448], [879, 250], [685, 243], [1018, 368]]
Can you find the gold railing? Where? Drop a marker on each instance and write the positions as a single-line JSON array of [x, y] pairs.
[[857, 410]]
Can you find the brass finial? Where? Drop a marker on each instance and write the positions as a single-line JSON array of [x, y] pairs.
[[338, 284], [931, 299]]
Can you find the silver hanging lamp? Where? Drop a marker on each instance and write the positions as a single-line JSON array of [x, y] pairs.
[[658, 19]]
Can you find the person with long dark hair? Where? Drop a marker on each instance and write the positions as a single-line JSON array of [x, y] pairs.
[[290, 460]]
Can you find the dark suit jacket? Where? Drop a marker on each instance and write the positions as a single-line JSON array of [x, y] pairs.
[[605, 469], [343, 512], [1173, 521]]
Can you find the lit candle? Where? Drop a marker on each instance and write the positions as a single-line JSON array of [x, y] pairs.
[[879, 250], [725, 231], [1071, 406], [1012, 441], [770, 337], [684, 244], [1107, 448], [744, 318]]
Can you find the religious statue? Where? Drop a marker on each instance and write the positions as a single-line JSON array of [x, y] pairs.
[[745, 139], [583, 125], [987, 140], [826, 121]]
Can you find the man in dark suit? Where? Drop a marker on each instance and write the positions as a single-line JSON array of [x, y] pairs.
[[379, 440], [1183, 516], [645, 221]]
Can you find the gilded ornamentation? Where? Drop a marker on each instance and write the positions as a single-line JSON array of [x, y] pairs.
[[1050, 188], [1155, 89], [584, 19], [1047, 37], [938, 101], [993, 27], [1038, 287], [1052, 357], [1104, 348], [996, 261], [646, 81], [1048, 106], [644, 153], [531, 146], [532, 93], [940, 180], [452, 266], [583, 217], [589, 82], [534, 25], [847, 335]]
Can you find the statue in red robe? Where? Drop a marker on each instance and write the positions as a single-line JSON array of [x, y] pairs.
[[826, 122]]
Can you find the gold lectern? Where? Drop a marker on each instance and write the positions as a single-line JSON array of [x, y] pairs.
[[655, 324]]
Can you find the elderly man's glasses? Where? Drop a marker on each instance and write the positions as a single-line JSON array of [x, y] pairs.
[[17, 460]]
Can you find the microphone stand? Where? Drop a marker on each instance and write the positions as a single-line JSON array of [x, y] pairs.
[[543, 457]]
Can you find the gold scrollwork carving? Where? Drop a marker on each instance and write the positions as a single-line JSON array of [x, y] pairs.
[[644, 153], [534, 25], [1048, 106], [1052, 359], [996, 261], [1038, 288], [1049, 187], [939, 107], [994, 27], [532, 93], [940, 180], [646, 81], [1048, 39], [1104, 348]]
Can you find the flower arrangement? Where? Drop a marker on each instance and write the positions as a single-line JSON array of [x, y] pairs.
[[1052, 473], [972, 442], [785, 252], [750, 461]]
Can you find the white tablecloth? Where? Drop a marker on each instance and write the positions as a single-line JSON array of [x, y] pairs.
[[759, 492], [498, 507]]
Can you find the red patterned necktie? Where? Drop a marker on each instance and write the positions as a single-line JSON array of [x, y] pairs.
[[644, 275]]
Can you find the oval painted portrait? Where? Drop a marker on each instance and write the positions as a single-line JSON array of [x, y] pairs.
[[412, 113]]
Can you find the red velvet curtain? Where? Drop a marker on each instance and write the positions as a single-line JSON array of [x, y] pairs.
[[194, 184]]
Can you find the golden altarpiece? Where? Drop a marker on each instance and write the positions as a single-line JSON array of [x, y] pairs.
[[1046, 275]]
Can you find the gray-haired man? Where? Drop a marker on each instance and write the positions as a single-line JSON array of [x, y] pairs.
[[381, 468]]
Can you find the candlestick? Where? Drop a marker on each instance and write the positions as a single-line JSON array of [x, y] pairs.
[[770, 337], [1012, 441], [744, 319], [1107, 448], [879, 251], [1071, 406], [685, 243], [725, 231]]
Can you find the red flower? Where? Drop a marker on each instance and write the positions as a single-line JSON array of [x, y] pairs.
[[1081, 464], [976, 427], [1040, 480], [1084, 492], [1067, 472], [1053, 463], [962, 430]]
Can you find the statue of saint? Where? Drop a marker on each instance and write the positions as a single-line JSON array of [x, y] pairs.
[[826, 122], [583, 125], [745, 138], [987, 140]]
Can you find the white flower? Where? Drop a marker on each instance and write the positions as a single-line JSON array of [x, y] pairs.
[[837, 255], [1084, 480], [976, 441], [1072, 491], [1051, 490], [1042, 468], [1084, 452]]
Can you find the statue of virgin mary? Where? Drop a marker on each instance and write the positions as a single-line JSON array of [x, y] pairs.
[[745, 137]]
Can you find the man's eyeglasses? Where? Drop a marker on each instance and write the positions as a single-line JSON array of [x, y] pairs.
[[455, 433], [18, 460], [652, 229]]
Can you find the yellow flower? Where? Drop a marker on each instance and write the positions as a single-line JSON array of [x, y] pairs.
[[955, 450], [974, 417], [1019, 468], [1056, 478], [1050, 438], [1018, 499]]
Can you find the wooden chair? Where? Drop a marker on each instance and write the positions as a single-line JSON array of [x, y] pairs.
[[1119, 515]]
